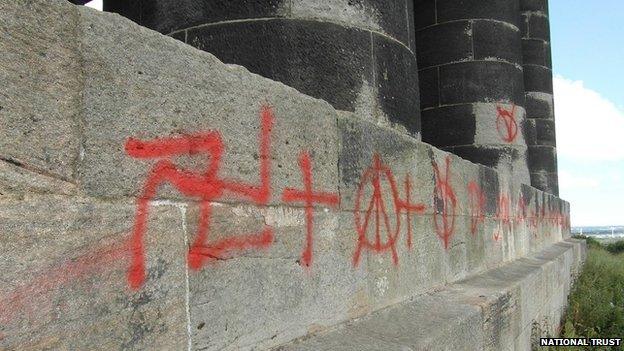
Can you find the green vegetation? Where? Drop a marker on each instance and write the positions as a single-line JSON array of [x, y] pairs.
[[596, 308]]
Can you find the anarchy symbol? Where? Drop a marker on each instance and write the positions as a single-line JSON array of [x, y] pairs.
[[377, 207]]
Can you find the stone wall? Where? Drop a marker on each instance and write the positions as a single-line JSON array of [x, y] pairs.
[[153, 197], [356, 55]]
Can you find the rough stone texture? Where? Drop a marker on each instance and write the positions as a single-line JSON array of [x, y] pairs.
[[539, 88], [166, 16], [63, 271], [67, 240], [463, 81], [491, 311], [213, 97], [356, 55], [40, 101]]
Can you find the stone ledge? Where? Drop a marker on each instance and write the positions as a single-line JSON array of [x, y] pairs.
[[492, 310]]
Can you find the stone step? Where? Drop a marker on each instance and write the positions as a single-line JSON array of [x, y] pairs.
[[501, 309]]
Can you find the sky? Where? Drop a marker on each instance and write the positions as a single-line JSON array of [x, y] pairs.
[[588, 63], [96, 4], [588, 66]]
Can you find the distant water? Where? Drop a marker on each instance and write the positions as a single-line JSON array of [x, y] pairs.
[[601, 232]]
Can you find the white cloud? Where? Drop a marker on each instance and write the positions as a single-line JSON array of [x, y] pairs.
[[589, 127], [96, 4], [567, 180]]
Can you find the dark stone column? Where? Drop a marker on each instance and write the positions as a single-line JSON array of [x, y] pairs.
[[471, 80], [356, 54], [540, 124]]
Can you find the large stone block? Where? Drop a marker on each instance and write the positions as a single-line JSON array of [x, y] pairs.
[[167, 16], [539, 105], [538, 79], [534, 5], [501, 10], [537, 26], [267, 296], [403, 157], [388, 17], [64, 269], [481, 82], [457, 37], [351, 68], [424, 13], [396, 79], [449, 125], [214, 97], [543, 158], [428, 80], [307, 55], [40, 85], [536, 52], [495, 40], [510, 159]]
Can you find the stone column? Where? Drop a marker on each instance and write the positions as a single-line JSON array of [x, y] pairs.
[[356, 54], [471, 81], [540, 124]]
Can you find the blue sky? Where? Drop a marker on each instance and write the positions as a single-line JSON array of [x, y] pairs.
[[588, 63]]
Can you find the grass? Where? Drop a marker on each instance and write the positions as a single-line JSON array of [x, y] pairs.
[[596, 304]]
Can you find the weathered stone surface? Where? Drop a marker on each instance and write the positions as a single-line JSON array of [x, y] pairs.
[[40, 86], [494, 40], [213, 97], [67, 241], [468, 82], [15, 180], [458, 38], [500, 10], [388, 17], [267, 297], [491, 311], [64, 270], [167, 16]]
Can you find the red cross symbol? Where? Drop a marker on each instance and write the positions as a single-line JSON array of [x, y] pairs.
[[477, 206], [410, 208], [309, 198]]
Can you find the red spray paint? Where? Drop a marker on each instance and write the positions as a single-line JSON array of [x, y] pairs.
[[476, 198], [506, 123], [503, 215], [410, 208], [445, 221], [309, 198], [377, 207], [521, 209], [33, 300], [207, 186]]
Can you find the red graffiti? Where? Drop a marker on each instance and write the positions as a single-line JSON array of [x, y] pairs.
[[506, 123], [33, 300], [534, 222], [503, 215], [521, 209], [445, 196], [309, 198], [410, 208], [206, 186], [476, 198], [377, 206]]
